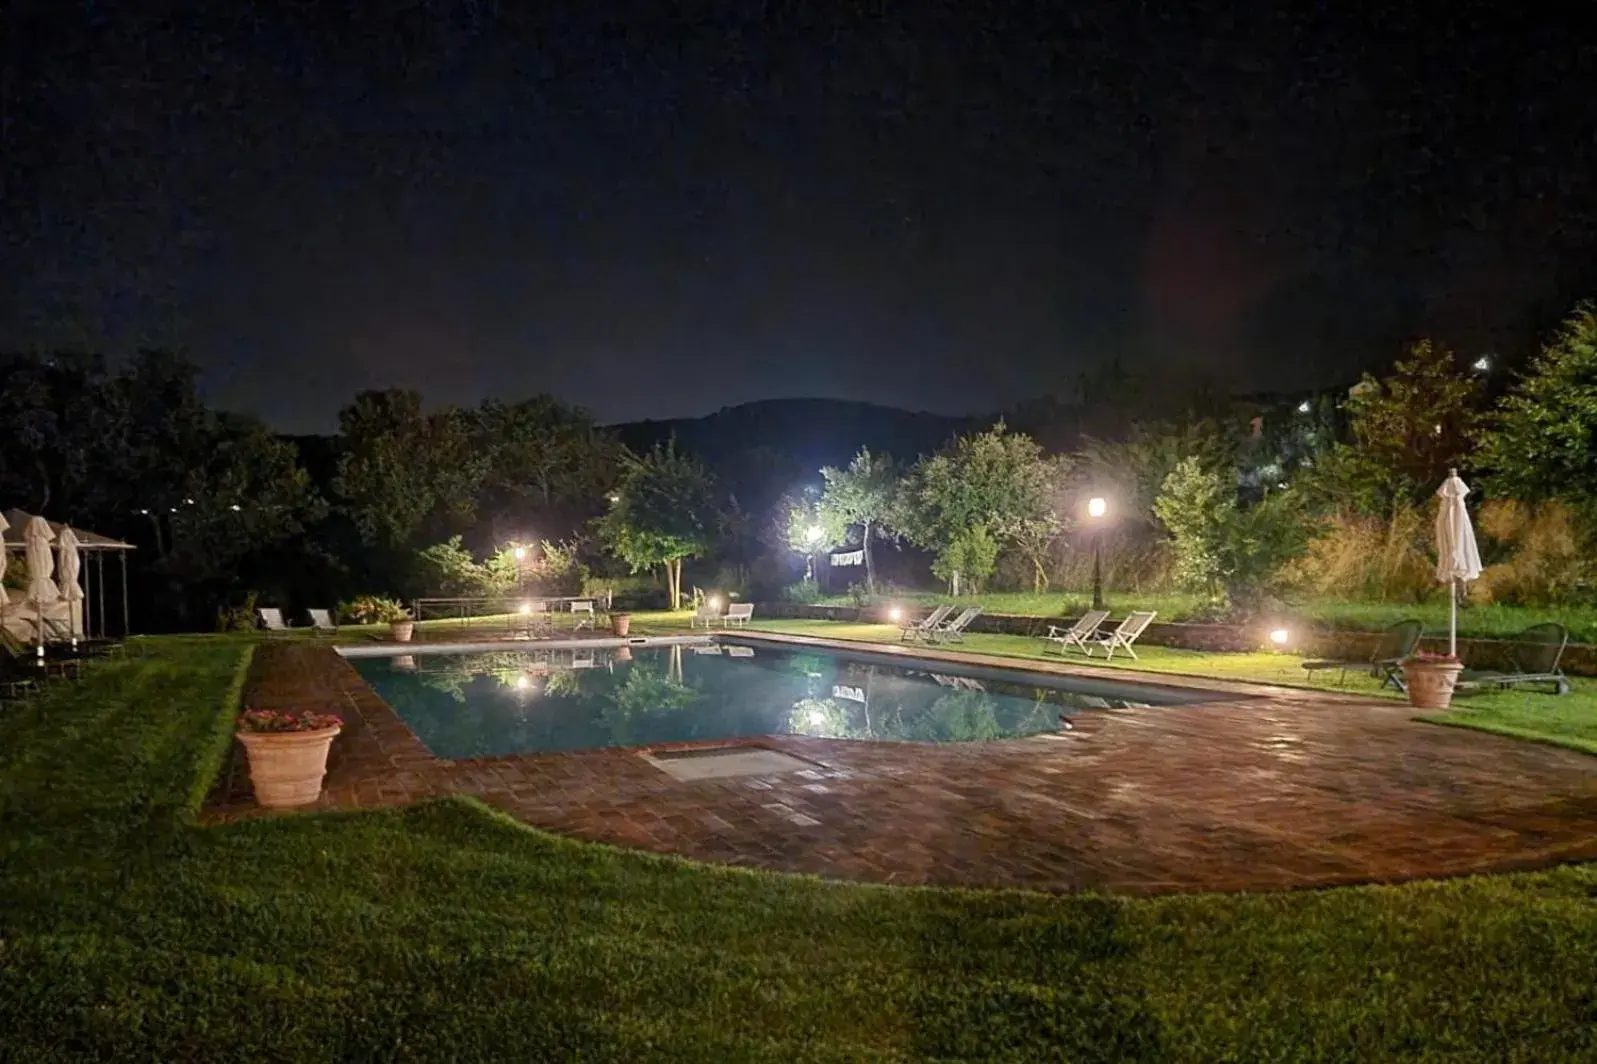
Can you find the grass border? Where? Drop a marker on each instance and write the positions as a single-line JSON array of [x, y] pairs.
[[210, 757], [1571, 743]]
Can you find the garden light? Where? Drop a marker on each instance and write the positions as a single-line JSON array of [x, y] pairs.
[[523, 682], [713, 602], [520, 553], [1304, 407], [814, 533], [895, 614], [1483, 364], [1280, 637], [526, 608], [1097, 507]]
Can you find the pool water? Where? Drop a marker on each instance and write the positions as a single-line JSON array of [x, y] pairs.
[[488, 704]]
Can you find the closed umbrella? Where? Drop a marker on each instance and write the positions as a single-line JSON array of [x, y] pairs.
[[36, 537], [4, 524], [1457, 557], [66, 550]]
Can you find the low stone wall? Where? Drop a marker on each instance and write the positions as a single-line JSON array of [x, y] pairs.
[[1580, 659]]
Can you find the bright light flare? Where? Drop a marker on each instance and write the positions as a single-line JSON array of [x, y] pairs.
[[523, 682], [1280, 637], [1097, 507], [526, 608], [895, 614], [714, 602], [520, 553], [814, 533]]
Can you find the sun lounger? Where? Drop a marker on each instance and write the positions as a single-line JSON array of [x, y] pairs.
[[322, 621], [272, 619], [1123, 635], [1077, 634], [739, 614], [582, 615], [704, 617], [1386, 664], [1535, 658], [909, 631], [954, 631], [740, 652]]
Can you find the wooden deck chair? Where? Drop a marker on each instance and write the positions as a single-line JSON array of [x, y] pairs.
[[909, 631], [1077, 634], [954, 631], [1124, 634]]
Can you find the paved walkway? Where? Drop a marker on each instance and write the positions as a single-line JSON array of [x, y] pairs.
[[1285, 790]]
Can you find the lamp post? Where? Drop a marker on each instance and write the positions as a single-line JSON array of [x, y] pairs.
[[812, 539], [1097, 507]]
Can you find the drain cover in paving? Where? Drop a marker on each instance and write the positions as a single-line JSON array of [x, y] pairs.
[[720, 762]]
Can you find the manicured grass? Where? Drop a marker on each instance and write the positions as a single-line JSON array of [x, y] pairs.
[[1568, 720], [1487, 622], [449, 932]]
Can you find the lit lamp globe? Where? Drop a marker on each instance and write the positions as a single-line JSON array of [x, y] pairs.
[[1280, 637], [520, 553], [1097, 507]]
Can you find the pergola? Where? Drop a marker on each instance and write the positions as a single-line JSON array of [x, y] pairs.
[[94, 548]]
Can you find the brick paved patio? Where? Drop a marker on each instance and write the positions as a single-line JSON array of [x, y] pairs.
[[1287, 790]]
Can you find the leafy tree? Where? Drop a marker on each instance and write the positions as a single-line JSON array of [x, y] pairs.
[[663, 512], [861, 495], [545, 456], [1135, 469], [1231, 553], [971, 555], [990, 481], [404, 472], [1541, 442], [810, 529], [1408, 429]]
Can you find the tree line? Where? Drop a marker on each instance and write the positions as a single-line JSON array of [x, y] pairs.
[[1239, 501]]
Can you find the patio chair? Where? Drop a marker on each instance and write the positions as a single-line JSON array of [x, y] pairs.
[[909, 631], [1386, 664], [582, 615], [322, 621], [1535, 659], [1077, 634], [704, 617], [272, 619], [739, 614], [954, 631], [1124, 634]]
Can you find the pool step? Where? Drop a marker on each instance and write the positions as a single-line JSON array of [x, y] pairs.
[[720, 762]]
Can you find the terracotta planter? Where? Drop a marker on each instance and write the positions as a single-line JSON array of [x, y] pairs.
[[1430, 683], [286, 768], [402, 630], [620, 623], [623, 654]]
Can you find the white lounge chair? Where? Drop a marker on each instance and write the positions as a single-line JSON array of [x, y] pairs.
[[1077, 634], [909, 631], [582, 615], [740, 652], [272, 619], [954, 631], [706, 648], [704, 617], [1124, 634], [738, 614], [322, 621]]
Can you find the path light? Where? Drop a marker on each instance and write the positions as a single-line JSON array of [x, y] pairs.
[[520, 553], [523, 682], [526, 608], [1097, 507], [713, 601], [895, 614], [1280, 636]]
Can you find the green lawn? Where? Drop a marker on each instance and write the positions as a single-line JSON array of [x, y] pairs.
[[1568, 720], [1481, 621], [449, 932]]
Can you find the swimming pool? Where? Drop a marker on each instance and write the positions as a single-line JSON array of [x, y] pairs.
[[573, 698]]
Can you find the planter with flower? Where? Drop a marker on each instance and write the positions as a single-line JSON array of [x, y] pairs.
[[287, 754], [1430, 679], [375, 609]]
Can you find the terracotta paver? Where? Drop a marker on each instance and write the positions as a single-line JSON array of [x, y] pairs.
[[1284, 789]]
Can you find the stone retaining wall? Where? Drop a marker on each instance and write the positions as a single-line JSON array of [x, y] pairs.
[[1580, 659]]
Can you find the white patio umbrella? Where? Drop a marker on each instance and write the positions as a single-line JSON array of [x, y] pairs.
[[68, 562], [1457, 557], [4, 524], [36, 537]]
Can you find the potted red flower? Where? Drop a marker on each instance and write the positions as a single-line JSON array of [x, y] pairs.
[[1430, 679], [287, 754]]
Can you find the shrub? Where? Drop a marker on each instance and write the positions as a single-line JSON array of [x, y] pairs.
[[1369, 558], [372, 609], [277, 720], [972, 555], [1548, 565], [240, 618], [803, 593]]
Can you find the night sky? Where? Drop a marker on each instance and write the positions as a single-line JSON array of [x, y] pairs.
[[931, 205]]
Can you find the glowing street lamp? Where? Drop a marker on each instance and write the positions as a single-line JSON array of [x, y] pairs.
[[1097, 509], [1280, 636]]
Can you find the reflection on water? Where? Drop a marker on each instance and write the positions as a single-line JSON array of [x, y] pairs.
[[478, 705]]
